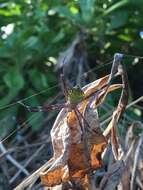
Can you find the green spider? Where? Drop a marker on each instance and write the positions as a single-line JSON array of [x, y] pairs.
[[75, 95]]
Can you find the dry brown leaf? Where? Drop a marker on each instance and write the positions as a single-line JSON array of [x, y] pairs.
[[70, 159], [117, 114], [125, 181]]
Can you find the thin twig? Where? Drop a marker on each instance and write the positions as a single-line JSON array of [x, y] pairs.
[[13, 161], [125, 157], [26, 164], [139, 182], [25, 183], [21, 148]]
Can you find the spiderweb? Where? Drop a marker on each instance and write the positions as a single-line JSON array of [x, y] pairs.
[[85, 74]]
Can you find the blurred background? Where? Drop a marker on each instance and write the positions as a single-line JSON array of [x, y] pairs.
[[38, 39]]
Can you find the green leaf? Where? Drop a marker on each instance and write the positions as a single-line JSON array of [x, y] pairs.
[[13, 79], [11, 94], [137, 2], [38, 79], [59, 36], [31, 42], [5, 52], [116, 6], [125, 37], [87, 9], [67, 13], [36, 120], [119, 19], [133, 115]]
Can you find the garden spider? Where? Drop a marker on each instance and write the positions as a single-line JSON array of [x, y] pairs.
[[76, 95]]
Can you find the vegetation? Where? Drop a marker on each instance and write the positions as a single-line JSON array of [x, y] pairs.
[[34, 33]]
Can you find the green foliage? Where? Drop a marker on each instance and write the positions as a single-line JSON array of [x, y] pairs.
[[42, 29], [13, 80]]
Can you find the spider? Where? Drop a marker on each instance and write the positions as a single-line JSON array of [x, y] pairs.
[[76, 95]]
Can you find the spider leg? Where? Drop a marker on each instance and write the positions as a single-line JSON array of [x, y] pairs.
[[86, 122], [78, 118], [42, 108], [64, 86], [87, 154]]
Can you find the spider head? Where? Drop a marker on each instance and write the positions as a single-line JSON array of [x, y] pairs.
[[75, 95]]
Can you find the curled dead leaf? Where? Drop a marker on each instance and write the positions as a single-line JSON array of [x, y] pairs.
[[70, 159]]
